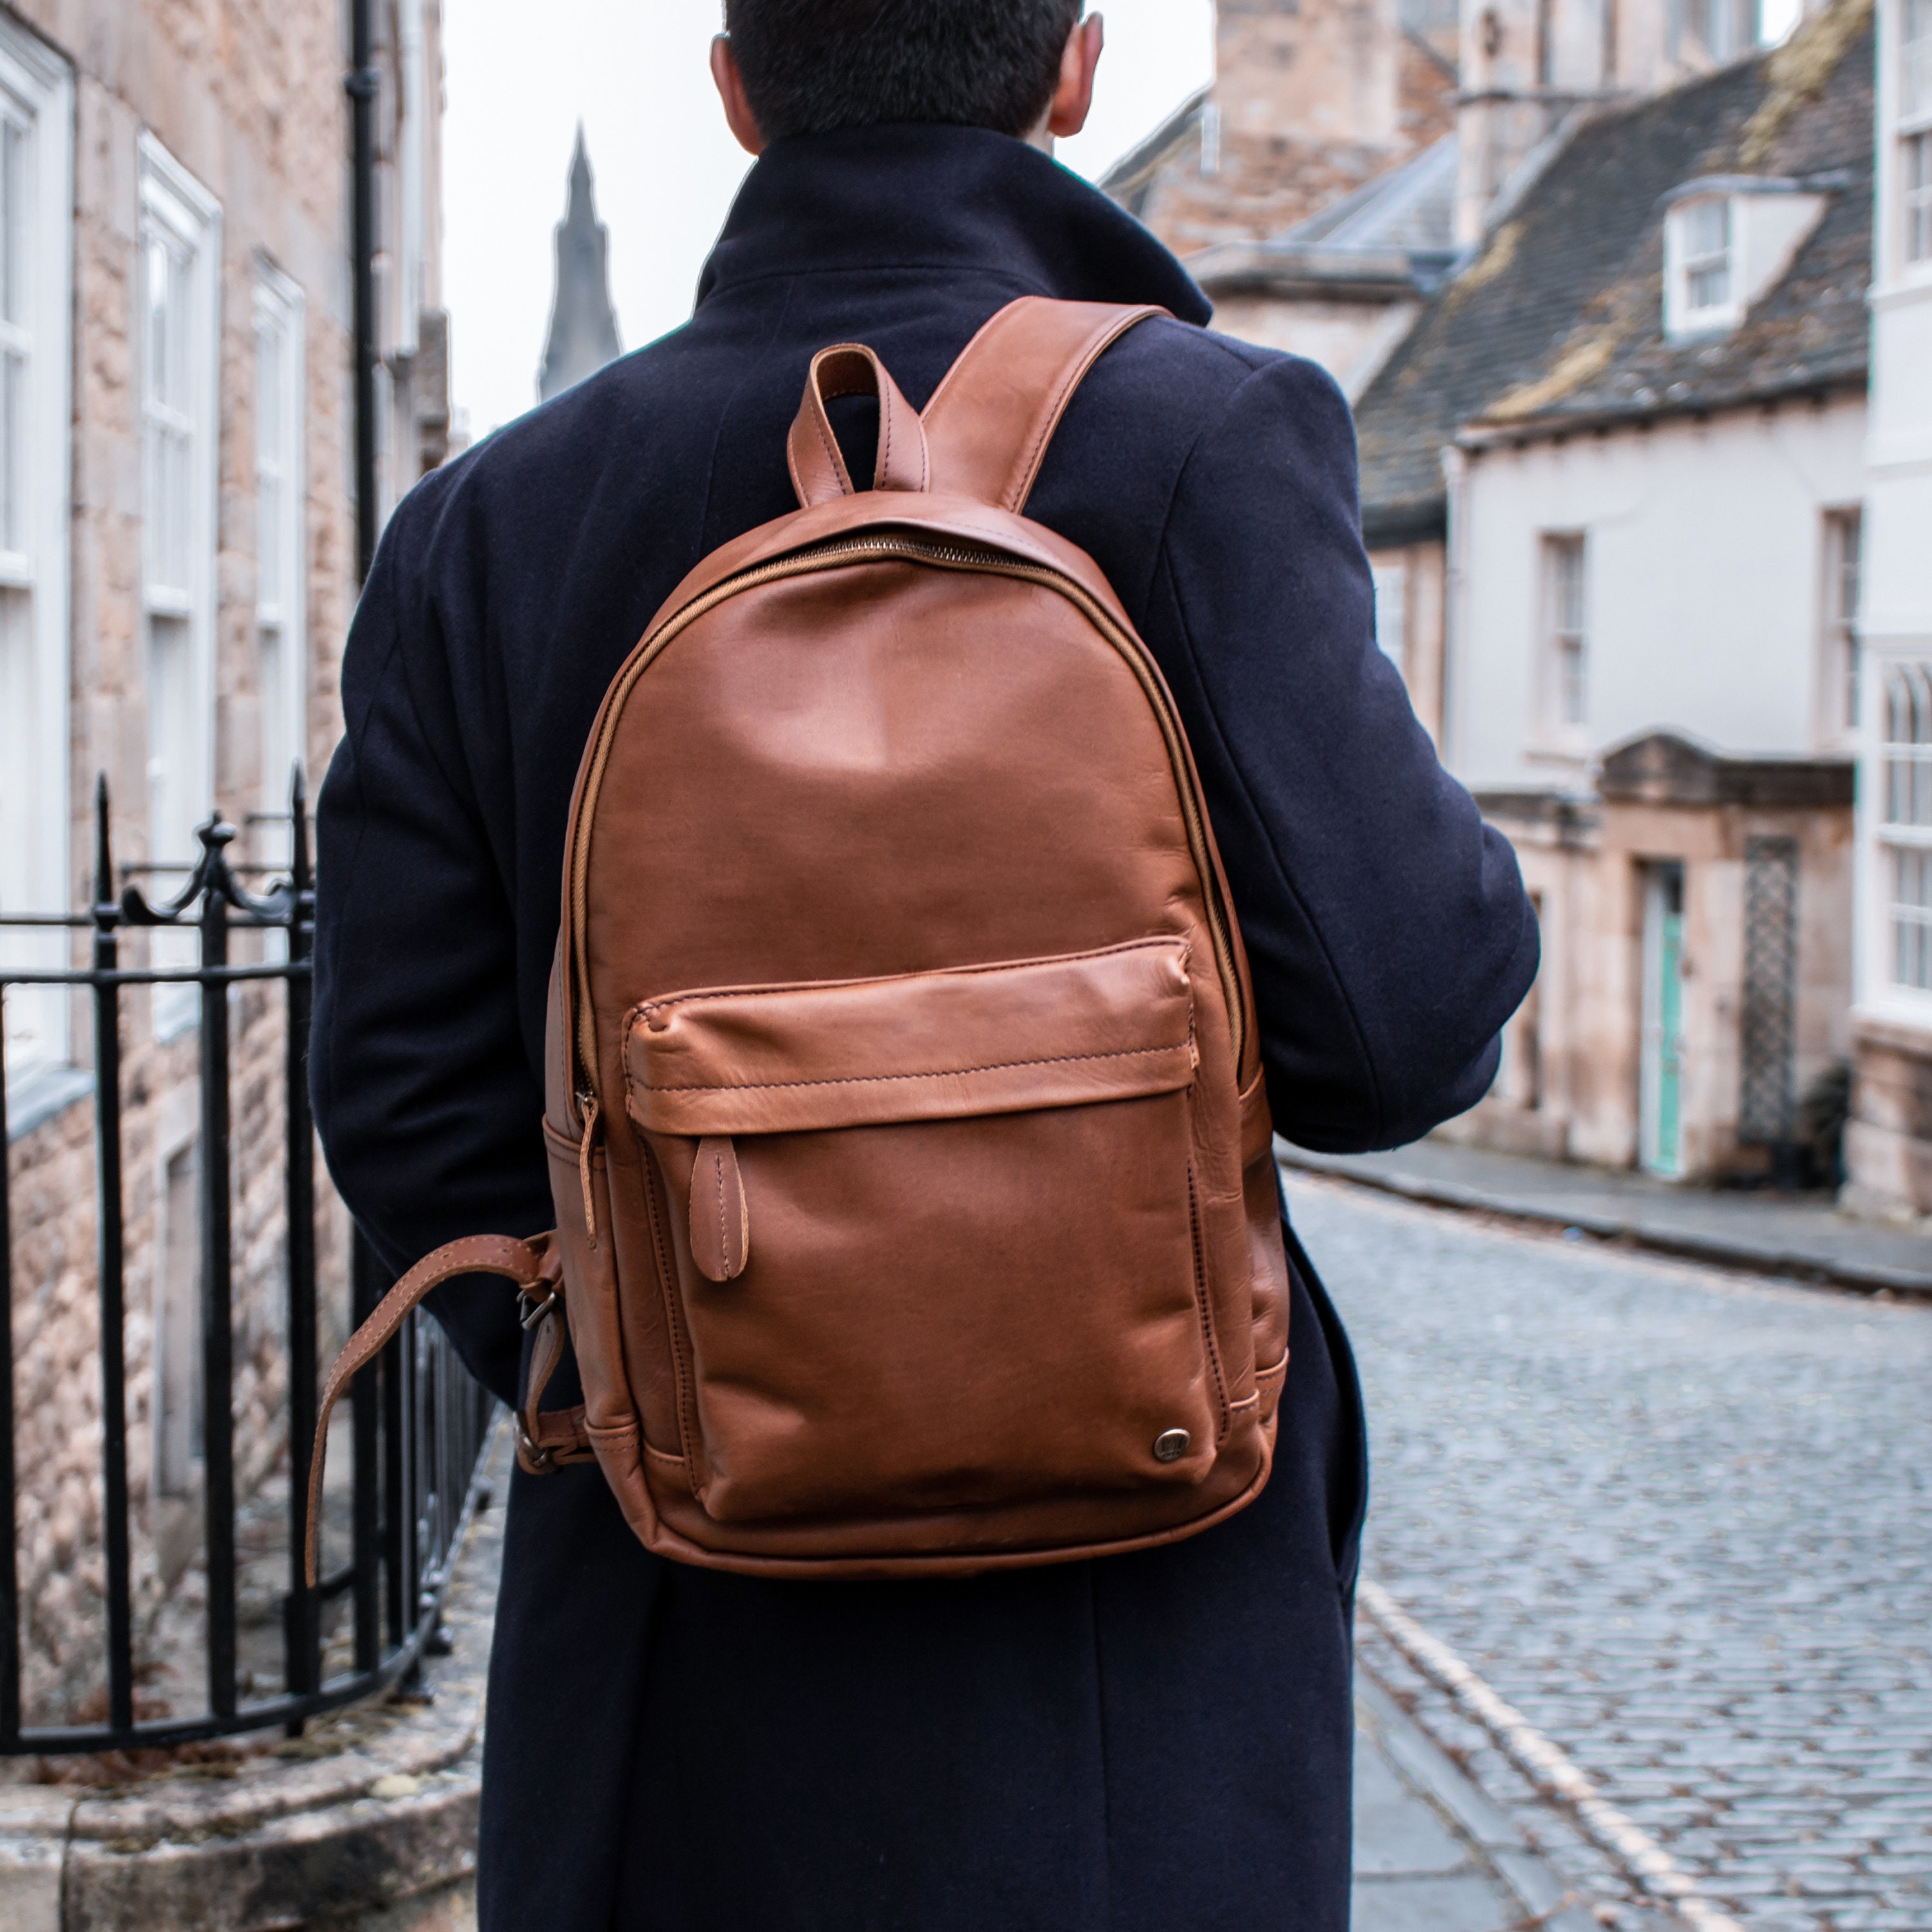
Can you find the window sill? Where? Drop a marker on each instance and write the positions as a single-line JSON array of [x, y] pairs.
[[37, 1093], [1571, 754]]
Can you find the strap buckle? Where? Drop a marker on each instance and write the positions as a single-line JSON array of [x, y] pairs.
[[535, 1457], [529, 1310]]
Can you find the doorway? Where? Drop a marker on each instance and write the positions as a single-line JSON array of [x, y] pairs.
[[1661, 1099]]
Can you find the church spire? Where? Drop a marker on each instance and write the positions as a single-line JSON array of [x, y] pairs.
[[582, 327]]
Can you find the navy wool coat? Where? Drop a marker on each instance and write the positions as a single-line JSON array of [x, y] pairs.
[[1153, 1743]]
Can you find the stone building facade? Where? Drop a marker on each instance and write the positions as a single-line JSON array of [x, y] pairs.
[[177, 574]]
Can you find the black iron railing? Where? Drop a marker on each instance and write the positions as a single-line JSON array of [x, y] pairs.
[[417, 1420]]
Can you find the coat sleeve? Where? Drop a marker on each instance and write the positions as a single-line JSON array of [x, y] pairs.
[[423, 1094], [1387, 926]]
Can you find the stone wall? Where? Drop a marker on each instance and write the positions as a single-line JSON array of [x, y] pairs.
[[57, 1375], [247, 96], [1570, 1085]]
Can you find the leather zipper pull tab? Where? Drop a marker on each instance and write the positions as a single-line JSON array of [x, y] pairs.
[[721, 1218], [589, 1103]]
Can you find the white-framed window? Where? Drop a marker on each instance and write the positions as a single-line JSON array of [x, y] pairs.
[[1842, 578], [1916, 197], [1905, 823], [180, 277], [1699, 284], [1915, 63], [1914, 129], [1566, 642], [36, 358], [281, 659], [1391, 587]]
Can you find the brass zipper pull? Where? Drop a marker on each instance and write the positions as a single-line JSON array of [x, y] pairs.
[[588, 1102]]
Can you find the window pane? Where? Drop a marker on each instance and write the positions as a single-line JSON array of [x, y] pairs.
[[13, 223], [13, 451], [32, 1015], [1707, 225], [1915, 79], [1391, 587], [1711, 287], [268, 438], [1918, 176], [159, 330], [268, 508], [1563, 593], [1912, 919], [173, 807], [18, 790], [1845, 532]]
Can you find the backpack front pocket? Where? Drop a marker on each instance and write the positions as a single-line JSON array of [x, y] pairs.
[[934, 1235]]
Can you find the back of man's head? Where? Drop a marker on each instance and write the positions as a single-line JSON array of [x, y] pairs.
[[811, 66]]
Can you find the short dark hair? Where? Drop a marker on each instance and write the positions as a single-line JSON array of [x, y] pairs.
[[810, 66]]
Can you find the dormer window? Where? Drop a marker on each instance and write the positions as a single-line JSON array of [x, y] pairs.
[[1727, 241], [1707, 261]]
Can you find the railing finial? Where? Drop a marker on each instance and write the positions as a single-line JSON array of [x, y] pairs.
[[106, 906]]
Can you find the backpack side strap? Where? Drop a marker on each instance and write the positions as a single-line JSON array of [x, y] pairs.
[[536, 1267], [989, 423]]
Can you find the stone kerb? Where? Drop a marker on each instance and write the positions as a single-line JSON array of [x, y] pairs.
[[366, 1824]]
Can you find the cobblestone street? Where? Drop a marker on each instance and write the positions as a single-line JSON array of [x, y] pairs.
[[1682, 1522]]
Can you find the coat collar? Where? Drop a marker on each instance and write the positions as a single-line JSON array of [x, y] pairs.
[[943, 198]]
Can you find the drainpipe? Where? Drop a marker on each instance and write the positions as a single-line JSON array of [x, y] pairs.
[[1455, 606], [363, 84]]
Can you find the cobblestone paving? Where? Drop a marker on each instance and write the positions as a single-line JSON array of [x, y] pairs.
[[1683, 1522]]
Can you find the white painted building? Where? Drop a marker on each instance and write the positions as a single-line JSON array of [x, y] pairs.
[[1672, 574], [1888, 1141], [1632, 429]]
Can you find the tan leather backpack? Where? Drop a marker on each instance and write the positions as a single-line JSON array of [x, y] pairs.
[[915, 1207]]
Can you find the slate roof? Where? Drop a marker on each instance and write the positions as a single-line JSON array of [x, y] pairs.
[[1393, 234], [1558, 323], [1412, 207]]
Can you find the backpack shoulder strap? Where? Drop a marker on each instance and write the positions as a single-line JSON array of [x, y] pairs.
[[989, 422]]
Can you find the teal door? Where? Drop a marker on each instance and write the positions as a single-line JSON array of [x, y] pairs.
[[1662, 1098]]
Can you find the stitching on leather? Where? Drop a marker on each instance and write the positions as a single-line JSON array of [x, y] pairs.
[[1200, 1303], [723, 1239], [936, 1073], [832, 454], [667, 1285], [1020, 486], [646, 1007]]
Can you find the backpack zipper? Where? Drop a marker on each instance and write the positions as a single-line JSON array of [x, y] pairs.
[[823, 557]]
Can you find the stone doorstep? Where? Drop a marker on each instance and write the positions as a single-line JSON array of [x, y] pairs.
[[385, 1820]]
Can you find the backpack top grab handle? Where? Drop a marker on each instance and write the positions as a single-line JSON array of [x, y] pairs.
[[818, 465]]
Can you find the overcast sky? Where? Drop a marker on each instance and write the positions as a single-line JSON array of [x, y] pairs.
[[633, 72]]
